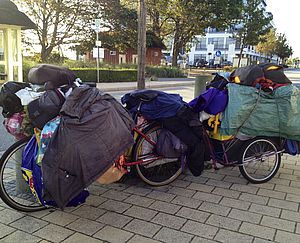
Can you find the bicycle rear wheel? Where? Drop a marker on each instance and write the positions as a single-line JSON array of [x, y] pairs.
[[158, 171], [260, 160], [13, 189]]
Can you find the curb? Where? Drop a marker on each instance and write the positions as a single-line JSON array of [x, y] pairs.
[[148, 86]]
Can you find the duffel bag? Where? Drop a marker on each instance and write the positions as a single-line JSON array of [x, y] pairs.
[[51, 76]]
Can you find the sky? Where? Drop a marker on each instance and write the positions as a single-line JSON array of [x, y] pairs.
[[286, 18]]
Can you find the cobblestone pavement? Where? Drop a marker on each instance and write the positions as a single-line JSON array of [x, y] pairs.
[[218, 206]]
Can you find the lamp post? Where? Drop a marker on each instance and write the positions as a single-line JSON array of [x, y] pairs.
[[96, 27]]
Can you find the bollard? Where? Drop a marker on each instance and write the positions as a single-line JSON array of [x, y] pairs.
[[200, 84]]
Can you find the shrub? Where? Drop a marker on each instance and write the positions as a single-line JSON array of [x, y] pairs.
[[164, 72]]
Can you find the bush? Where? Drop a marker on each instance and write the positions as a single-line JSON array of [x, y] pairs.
[[106, 75]]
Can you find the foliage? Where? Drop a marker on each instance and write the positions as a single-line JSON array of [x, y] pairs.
[[268, 43], [283, 50], [252, 24], [164, 72], [58, 22]]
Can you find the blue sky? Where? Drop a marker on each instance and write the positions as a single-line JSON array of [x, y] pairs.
[[286, 17]]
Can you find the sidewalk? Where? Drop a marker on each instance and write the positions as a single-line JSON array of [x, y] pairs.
[[161, 83]]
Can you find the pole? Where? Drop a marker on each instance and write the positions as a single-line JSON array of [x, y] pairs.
[[141, 44], [98, 72]]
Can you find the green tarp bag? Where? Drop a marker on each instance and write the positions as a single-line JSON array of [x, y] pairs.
[[254, 112]]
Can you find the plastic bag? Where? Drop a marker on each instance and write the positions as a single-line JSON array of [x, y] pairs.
[[13, 125]]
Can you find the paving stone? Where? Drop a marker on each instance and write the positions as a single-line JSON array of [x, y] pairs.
[[95, 201], [286, 171], [208, 197], [244, 188], [214, 208], [172, 236], [298, 228], [216, 183], [265, 210], [271, 193], [140, 213], [212, 175], [29, 224], [199, 229], [232, 237], [60, 218], [283, 236], [258, 240], [140, 201], [229, 171], [257, 230], [277, 223], [226, 192], [288, 189], [141, 239], [234, 203], [180, 183], [89, 212], [245, 216], [7, 216], [138, 190], [235, 179], [200, 187], [196, 179], [114, 219], [289, 177], [283, 204], [54, 233], [280, 181], [96, 189], [20, 236], [116, 195], [223, 222], [186, 201], [165, 207], [80, 238], [85, 226], [254, 198], [113, 235], [181, 192], [290, 215], [5, 230], [168, 220], [201, 240], [142, 228], [115, 206], [162, 196], [193, 214]]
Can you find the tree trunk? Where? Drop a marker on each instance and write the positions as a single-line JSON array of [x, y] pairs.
[[240, 55], [141, 44], [45, 53], [176, 47]]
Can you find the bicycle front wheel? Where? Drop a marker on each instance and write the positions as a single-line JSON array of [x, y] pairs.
[[260, 160], [156, 170], [14, 191]]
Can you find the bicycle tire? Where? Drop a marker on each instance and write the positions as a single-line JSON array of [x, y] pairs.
[[260, 160], [11, 162], [158, 172]]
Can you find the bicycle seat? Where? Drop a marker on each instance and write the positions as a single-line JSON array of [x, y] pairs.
[[144, 95]]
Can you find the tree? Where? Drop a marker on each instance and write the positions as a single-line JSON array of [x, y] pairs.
[[253, 23], [283, 50], [58, 21], [267, 44]]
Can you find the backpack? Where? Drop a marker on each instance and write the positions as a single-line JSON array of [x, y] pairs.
[[9, 101], [45, 108]]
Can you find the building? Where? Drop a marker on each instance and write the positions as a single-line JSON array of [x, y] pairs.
[[12, 21], [218, 47]]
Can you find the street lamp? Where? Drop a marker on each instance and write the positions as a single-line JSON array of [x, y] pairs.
[[96, 27]]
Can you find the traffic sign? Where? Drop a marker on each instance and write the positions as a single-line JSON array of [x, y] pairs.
[[218, 53]]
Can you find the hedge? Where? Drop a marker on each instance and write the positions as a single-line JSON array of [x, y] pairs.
[[105, 75]]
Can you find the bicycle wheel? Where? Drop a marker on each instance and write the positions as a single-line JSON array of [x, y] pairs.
[[260, 160], [13, 189], [158, 171]]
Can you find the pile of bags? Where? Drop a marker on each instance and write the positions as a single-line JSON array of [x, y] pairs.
[[77, 132]]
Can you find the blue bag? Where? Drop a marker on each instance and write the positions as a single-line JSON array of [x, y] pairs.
[[291, 147]]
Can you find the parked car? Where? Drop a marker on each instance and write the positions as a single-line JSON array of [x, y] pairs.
[[200, 63]]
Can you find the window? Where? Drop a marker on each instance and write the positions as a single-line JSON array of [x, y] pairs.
[[217, 41], [201, 44], [2, 53], [113, 53], [229, 41]]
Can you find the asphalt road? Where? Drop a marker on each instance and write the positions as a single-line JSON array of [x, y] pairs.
[[186, 92]]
